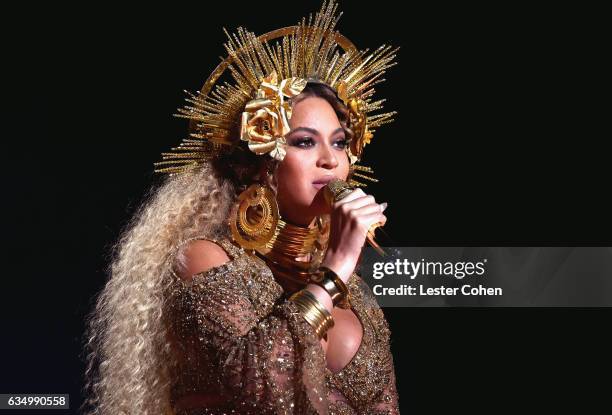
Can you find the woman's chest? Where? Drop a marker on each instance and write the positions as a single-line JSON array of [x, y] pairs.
[[343, 340], [359, 348]]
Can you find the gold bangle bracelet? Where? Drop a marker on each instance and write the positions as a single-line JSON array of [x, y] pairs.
[[330, 286], [313, 311], [320, 318], [335, 287]]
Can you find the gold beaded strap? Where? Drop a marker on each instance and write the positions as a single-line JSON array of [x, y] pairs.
[[313, 311]]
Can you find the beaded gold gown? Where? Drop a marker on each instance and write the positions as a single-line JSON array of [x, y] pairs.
[[239, 341]]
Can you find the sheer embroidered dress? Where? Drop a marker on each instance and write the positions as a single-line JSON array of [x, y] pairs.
[[242, 347]]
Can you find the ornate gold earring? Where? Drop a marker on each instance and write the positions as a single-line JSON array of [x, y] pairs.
[[254, 219]]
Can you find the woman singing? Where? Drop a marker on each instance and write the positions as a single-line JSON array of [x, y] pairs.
[[233, 289]]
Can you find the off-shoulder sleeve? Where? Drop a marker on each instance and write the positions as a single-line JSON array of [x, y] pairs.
[[270, 359]]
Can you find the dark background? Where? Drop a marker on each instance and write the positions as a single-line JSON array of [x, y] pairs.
[[496, 144]]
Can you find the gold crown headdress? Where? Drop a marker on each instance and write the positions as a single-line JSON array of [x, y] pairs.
[[266, 76]]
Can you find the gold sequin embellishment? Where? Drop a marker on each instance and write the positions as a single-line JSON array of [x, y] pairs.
[[242, 348]]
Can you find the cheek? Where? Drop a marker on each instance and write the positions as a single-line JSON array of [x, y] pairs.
[[343, 166], [346, 165], [292, 174]]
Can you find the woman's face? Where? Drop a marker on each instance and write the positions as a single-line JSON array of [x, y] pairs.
[[316, 153]]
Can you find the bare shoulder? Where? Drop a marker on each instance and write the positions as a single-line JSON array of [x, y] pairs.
[[199, 256]]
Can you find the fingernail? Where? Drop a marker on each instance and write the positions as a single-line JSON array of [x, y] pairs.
[[384, 206]]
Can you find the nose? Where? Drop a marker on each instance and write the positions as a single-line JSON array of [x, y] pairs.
[[327, 159]]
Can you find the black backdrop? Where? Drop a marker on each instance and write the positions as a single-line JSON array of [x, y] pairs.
[[495, 144]]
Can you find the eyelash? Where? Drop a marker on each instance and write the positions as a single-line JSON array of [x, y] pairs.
[[299, 142]]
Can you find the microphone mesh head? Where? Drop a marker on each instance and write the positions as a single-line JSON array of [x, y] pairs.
[[337, 190]]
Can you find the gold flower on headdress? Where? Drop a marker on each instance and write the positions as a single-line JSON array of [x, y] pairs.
[[265, 120], [358, 122], [312, 49]]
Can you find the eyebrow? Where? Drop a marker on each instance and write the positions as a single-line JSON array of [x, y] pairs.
[[315, 132]]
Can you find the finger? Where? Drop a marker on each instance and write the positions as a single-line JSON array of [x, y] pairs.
[[357, 193], [366, 210], [359, 202], [371, 219]]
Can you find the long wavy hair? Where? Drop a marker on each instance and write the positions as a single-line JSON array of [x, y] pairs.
[[129, 361]]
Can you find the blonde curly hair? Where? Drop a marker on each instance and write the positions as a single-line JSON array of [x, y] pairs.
[[128, 355], [129, 361]]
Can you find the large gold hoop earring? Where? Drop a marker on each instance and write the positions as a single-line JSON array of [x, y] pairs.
[[254, 219]]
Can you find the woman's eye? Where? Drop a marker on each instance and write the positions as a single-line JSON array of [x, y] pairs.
[[342, 143], [303, 142], [309, 142]]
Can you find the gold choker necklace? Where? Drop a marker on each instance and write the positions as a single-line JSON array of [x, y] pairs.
[[294, 252], [291, 251]]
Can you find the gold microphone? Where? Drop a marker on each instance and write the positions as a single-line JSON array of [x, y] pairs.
[[337, 190]]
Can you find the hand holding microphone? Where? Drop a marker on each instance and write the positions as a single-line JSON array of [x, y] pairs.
[[335, 191], [354, 218]]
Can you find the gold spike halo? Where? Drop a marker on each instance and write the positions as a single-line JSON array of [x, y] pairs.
[[312, 50]]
